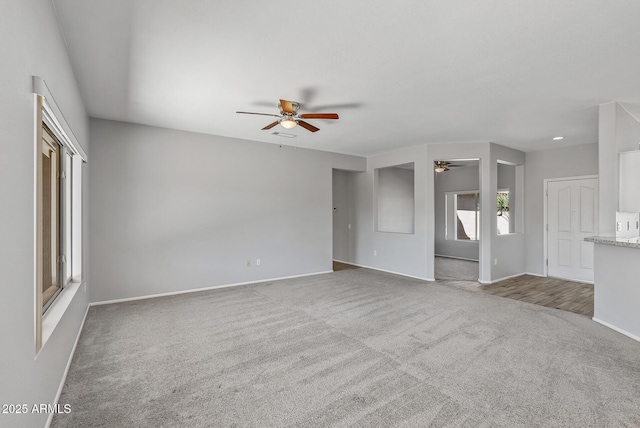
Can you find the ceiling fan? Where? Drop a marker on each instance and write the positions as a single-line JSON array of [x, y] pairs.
[[289, 117], [442, 166]]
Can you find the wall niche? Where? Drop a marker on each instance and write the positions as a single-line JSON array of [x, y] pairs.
[[394, 190]]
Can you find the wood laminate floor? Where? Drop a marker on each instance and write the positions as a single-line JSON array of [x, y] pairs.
[[576, 297], [343, 266]]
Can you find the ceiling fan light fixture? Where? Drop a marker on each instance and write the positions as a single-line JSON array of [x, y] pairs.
[[289, 117], [440, 169], [288, 123]]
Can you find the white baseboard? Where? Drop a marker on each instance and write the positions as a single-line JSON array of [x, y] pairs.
[[573, 280], [493, 281], [541, 275], [66, 370], [387, 271], [619, 330], [195, 290], [457, 258]]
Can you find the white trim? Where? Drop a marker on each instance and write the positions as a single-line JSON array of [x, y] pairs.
[[195, 290], [66, 370], [461, 192], [457, 258], [619, 330], [535, 274], [493, 281], [573, 280], [56, 311], [53, 117], [545, 196], [387, 271], [577, 177]]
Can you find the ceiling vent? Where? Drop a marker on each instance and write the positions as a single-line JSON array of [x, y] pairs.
[[283, 134]]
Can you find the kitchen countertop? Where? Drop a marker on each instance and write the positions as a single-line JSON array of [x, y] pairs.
[[612, 240]]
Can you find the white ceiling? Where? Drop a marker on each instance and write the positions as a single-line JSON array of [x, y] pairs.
[[399, 74]]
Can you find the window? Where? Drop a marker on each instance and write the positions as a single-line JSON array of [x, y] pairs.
[[509, 207], [502, 208], [53, 224], [462, 216], [58, 219]]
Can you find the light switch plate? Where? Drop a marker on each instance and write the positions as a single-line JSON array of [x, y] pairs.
[[627, 225]]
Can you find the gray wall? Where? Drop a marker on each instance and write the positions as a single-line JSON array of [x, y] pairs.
[[499, 256], [395, 200], [31, 45], [454, 180], [413, 254], [395, 252], [618, 131], [572, 161], [174, 211], [507, 250]]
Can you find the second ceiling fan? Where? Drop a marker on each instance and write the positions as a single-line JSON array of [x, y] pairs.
[[442, 166], [289, 117]]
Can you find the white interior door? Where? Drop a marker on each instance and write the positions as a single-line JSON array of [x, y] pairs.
[[572, 215]]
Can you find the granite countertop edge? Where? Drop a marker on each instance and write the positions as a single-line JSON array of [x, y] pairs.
[[612, 240]]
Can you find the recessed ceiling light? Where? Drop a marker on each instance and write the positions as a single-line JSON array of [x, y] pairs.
[[558, 138]]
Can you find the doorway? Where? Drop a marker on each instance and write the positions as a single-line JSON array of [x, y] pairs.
[[457, 219], [571, 215], [344, 218]]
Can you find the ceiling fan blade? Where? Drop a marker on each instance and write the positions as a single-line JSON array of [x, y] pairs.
[[319, 116], [308, 126], [261, 114], [271, 125], [286, 106]]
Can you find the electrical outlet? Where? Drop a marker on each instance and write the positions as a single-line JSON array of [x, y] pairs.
[[248, 263], [258, 262], [349, 226], [495, 262], [375, 252]]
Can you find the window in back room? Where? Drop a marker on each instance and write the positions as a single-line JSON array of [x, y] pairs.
[[462, 216]]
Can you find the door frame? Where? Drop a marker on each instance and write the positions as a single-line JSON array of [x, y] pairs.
[[545, 225]]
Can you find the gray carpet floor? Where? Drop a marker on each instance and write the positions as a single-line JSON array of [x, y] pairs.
[[350, 348], [449, 268]]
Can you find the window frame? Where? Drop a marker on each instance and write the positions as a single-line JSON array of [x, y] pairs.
[[49, 143], [451, 229], [508, 192], [69, 224]]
